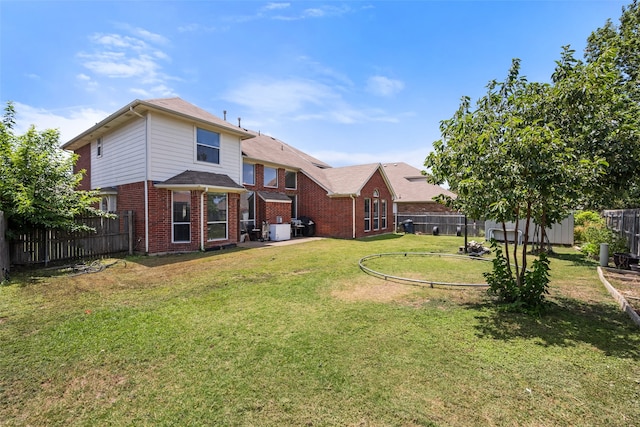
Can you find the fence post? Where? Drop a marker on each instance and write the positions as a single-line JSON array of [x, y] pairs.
[[4, 249]]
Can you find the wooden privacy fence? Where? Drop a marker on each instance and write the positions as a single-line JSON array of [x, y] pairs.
[[625, 222], [448, 224], [112, 235]]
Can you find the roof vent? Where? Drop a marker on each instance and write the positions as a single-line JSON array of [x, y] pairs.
[[224, 112]]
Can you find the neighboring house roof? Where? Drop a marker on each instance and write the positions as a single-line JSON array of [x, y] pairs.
[[189, 180], [339, 181], [173, 106], [410, 185]]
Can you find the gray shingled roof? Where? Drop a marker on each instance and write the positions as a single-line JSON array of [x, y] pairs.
[[339, 181], [198, 179], [410, 185], [274, 197]]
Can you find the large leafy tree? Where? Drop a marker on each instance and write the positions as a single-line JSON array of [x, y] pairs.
[[507, 161], [607, 87], [38, 188]]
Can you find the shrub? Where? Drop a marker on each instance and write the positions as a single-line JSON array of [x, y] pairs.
[[529, 296], [584, 220], [595, 235], [588, 217]]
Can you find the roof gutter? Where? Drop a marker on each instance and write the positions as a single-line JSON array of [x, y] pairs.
[[200, 187]]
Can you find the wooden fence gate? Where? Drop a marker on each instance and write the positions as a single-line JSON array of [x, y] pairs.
[[112, 235]]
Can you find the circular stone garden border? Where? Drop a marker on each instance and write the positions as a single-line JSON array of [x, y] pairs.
[[431, 283]]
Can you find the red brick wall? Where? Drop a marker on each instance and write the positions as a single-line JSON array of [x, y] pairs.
[[270, 211], [333, 217], [84, 162], [131, 197]]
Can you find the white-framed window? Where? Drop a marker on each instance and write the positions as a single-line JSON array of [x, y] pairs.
[[207, 146], [99, 147], [108, 203], [249, 173], [383, 214], [270, 177], [376, 214], [181, 217], [290, 180], [217, 216], [367, 214], [247, 211]]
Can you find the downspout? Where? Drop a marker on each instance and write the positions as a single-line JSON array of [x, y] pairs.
[[146, 177], [202, 228], [353, 215]]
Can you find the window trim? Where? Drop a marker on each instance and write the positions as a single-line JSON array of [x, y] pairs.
[[376, 214], [197, 144], [295, 179], [251, 210], [383, 209], [174, 223], [264, 180], [253, 166], [225, 222], [99, 148], [367, 214]]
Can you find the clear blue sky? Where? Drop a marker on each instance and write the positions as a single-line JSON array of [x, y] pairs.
[[349, 82]]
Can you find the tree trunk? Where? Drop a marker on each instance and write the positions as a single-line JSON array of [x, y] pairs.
[[4, 249]]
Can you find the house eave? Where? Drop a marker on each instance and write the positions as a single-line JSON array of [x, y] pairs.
[[201, 187], [128, 112]]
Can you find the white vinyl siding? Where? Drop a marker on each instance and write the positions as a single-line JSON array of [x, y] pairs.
[[122, 157], [173, 147]]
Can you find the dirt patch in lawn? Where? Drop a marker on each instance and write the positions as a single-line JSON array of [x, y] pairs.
[[373, 289]]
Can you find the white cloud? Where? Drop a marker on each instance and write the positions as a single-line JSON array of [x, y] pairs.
[[281, 97], [70, 123], [118, 65], [384, 86], [149, 36], [274, 6], [297, 99], [414, 157], [117, 41], [136, 60]]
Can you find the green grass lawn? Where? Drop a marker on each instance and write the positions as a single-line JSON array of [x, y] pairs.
[[298, 335]]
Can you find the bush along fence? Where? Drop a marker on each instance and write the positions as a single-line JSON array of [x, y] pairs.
[[111, 236], [445, 224], [626, 223]]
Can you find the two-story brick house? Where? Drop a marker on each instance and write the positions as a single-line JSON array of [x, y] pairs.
[[195, 181]]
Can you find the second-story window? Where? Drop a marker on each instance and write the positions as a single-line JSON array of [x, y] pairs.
[[270, 177], [207, 146], [249, 174], [99, 147], [290, 180]]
